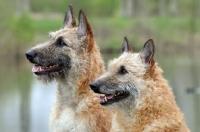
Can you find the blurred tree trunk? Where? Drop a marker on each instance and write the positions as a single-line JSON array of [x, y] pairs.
[[18, 11], [25, 109], [26, 5], [21, 7], [194, 71], [162, 6], [173, 9], [127, 8]]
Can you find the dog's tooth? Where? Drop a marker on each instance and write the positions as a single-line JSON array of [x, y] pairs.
[[105, 98], [40, 69]]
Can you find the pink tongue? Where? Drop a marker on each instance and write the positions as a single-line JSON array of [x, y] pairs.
[[35, 68], [109, 96], [102, 98]]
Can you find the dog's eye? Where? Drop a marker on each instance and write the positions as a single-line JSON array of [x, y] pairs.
[[61, 43], [122, 70]]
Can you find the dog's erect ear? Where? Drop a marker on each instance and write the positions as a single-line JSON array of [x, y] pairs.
[[69, 20], [126, 46], [84, 28], [147, 52]]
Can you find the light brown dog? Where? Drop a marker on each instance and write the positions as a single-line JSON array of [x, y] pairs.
[[72, 58], [133, 85]]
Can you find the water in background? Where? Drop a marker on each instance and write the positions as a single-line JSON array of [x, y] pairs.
[[30, 114], [25, 103]]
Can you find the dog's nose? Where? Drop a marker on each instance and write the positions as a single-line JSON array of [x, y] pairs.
[[30, 54], [95, 86]]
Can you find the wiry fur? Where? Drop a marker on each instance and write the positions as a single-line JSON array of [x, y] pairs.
[[76, 107], [150, 107]]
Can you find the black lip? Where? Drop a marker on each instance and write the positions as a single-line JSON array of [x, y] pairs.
[[49, 71], [64, 64], [107, 103], [115, 98]]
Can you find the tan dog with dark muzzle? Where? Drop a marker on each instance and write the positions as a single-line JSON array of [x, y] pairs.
[[134, 86], [72, 58]]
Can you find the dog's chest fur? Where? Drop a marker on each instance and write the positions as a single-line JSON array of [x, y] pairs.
[[69, 121], [68, 113], [116, 127]]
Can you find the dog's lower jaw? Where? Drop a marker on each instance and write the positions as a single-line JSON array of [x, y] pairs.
[[52, 76]]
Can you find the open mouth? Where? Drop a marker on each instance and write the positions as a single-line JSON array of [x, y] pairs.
[[111, 98], [40, 70]]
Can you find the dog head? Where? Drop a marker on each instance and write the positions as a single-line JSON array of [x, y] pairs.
[[61, 54], [124, 80]]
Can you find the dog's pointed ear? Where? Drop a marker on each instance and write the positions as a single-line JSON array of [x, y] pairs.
[[126, 46], [69, 20], [147, 53], [84, 28]]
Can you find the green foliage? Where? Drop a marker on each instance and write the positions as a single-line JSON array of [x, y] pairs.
[[172, 29], [110, 31], [90, 7], [23, 29], [46, 25], [47, 5]]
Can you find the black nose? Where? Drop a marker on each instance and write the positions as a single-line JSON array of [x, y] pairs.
[[30, 54], [95, 86]]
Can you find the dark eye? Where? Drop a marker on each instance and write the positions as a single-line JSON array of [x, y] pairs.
[[122, 70], [60, 42]]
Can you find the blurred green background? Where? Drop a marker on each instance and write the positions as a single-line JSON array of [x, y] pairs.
[[174, 25]]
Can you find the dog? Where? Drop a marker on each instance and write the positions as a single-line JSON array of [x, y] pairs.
[[72, 58], [133, 85]]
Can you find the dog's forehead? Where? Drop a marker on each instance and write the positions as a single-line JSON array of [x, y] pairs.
[[124, 59], [67, 33], [131, 61]]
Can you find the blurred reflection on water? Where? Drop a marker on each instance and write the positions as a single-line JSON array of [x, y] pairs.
[[29, 114], [42, 98], [25, 103]]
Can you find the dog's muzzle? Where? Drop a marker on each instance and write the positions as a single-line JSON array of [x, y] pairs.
[[95, 86], [30, 55]]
